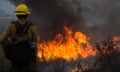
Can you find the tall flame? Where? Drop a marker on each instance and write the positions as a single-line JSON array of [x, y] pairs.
[[68, 47]]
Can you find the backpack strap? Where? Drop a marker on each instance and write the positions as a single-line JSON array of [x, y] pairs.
[[21, 31]]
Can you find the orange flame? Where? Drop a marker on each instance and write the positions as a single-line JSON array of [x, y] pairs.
[[68, 47], [116, 38]]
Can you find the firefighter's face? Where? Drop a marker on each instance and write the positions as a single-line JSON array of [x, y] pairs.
[[22, 17]]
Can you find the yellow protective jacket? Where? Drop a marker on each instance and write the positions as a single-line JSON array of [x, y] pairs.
[[10, 31]]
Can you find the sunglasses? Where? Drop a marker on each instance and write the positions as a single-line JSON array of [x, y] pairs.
[[22, 16]]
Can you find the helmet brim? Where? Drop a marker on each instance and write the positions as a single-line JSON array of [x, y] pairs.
[[17, 13]]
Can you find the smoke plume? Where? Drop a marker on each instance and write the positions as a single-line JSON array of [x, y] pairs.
[[101, 16], [50, 15]]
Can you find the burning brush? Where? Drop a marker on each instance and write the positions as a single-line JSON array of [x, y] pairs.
[[65, 50], [73, 49], [68, 47], [108, 55]]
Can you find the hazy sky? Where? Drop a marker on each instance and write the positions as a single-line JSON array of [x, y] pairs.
[[6, 14], [7, 7]]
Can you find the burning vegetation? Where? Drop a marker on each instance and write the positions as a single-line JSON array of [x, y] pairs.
[[108, 58], [68, 47], [74, 47]]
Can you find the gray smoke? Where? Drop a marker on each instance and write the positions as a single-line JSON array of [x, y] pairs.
[[101, 16], [50, 15], [108, 14]]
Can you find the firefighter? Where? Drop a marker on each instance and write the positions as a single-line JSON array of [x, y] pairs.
[[19, 41]]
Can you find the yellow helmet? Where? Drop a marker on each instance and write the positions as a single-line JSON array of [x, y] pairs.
[[22, 9]]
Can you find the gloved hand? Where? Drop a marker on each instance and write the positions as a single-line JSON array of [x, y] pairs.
[[33, 44]]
